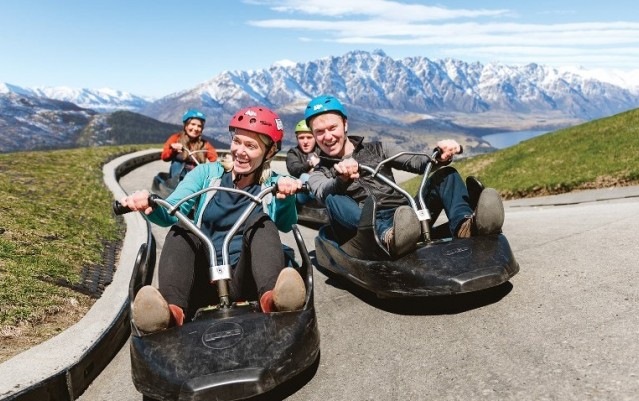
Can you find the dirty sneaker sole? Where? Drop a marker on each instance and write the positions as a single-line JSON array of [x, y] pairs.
[[289, 292], [150, 310], [406, 231], [489, 216]]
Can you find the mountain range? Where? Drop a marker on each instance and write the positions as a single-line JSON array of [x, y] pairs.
[[411, 101]]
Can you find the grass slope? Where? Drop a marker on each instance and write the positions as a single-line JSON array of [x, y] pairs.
[[54, 221], [600, 153]]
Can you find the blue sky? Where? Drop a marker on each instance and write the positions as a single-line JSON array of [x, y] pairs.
[[157, 47]]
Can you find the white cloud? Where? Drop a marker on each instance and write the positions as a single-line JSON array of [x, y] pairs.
[[389, 10], [285, 63], [460, 33]]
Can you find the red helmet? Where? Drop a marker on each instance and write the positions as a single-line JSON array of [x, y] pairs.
[[260, 120]]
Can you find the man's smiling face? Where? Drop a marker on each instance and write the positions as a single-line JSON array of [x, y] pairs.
[[329, 130]]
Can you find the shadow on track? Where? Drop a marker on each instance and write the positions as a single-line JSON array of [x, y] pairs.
[[292, 386]]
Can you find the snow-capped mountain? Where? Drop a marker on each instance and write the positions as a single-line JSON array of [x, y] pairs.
[[8, 88], [403, 99], [623, 79], [374, 84], [100, 100]]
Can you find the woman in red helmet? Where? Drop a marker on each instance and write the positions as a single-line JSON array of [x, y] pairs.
[[256, 253]]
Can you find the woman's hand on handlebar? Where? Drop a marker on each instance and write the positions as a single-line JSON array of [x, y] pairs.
[[347, 169], [138, 201], [287, 186], [448, 148]]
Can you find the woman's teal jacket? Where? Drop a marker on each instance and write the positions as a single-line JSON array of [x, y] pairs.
[[281, 211]]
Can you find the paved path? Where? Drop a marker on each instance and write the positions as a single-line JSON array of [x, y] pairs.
[[564, 328]]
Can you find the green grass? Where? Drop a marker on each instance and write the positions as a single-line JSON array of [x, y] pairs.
[[597, 154], [54, 220]]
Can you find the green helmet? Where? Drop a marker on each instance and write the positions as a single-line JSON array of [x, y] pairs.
[[302, 127]]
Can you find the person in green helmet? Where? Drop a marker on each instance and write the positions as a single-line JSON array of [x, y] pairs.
[[301, 159]]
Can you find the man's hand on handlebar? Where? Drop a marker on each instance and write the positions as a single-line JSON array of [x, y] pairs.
[[448, 148], [347, 170], [138, 201]]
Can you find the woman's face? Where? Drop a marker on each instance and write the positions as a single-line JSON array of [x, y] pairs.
[[247, 151], [305, 141], [193, 128]]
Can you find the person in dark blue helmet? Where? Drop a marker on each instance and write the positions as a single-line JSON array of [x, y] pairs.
[[337, 183]]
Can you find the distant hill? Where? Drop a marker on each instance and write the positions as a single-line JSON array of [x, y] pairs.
[[29, 122], [32, 123], [125, 127]]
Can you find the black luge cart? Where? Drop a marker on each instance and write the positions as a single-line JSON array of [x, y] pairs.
[[229, 351], [438, 266]]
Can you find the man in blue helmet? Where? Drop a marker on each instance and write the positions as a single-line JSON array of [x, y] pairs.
[[337, 182]]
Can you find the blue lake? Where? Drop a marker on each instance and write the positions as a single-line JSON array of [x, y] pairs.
[[503, 140]]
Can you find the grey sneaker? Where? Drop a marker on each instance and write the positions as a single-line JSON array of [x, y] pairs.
[[150, 310], [289, 292], [403, 236], [487, 219]]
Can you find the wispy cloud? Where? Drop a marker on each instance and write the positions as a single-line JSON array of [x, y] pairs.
[[460, 33], [389, 10]]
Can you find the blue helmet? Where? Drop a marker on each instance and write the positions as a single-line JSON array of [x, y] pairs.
[[323, 104], [193, 113]]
